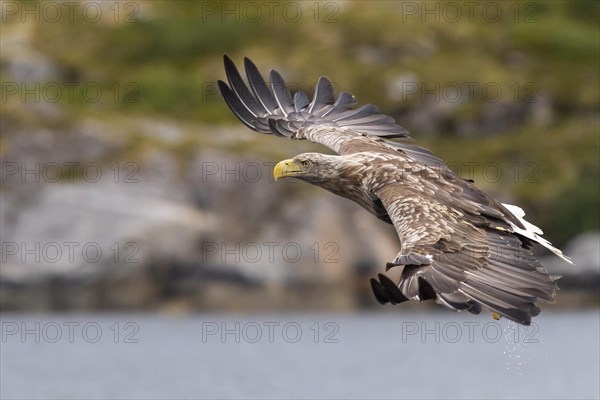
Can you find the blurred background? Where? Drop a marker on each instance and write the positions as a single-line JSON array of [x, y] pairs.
[[135, 203]]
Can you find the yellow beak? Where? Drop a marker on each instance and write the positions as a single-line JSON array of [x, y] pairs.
[[286, 168]]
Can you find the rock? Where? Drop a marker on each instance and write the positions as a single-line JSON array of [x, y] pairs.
[[101, 242], [584, 251]]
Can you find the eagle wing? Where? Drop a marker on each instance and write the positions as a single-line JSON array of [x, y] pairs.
[[325, 119], [458, 254]]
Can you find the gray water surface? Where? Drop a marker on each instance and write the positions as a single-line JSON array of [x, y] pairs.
[[395, 355]]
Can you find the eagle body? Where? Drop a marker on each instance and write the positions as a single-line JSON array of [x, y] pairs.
[[458, 245], [355, 178]]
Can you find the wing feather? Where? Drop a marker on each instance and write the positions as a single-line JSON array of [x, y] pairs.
[[257, 106], [300, 101], [468, 264], [344, 102], [259, 87], [323, 95], [239, 108], [236, 83], [281, 93]]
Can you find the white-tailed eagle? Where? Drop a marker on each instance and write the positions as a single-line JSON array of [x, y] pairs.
[[459, 246]]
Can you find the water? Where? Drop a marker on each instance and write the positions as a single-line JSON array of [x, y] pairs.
[[391, 355]]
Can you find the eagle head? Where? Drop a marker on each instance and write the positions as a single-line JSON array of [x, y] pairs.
[[314, 168], [342, 175]]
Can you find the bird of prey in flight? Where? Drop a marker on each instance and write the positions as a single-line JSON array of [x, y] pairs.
[[458, 245]]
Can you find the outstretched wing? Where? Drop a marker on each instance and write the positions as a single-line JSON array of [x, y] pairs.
[[272, 108], [459, 255], [327, 120]]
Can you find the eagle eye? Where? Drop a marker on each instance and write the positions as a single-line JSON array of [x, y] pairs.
[[306, 163]]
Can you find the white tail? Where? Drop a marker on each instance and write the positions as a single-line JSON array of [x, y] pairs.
[[532, 232]]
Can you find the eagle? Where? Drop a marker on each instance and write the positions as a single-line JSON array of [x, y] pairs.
[[458, 245]]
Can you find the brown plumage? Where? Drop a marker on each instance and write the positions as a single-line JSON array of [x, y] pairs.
[[459, 246]]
